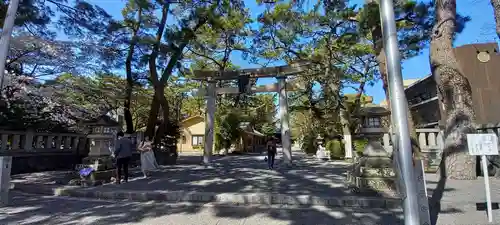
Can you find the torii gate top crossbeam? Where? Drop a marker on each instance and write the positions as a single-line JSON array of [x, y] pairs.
[[287, 70]]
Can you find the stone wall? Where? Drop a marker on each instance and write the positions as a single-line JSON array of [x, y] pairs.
[[36, 152], [28, 162]]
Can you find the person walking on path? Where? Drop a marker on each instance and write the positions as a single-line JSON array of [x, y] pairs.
[[148, 160], [271, 152], [123, 153]]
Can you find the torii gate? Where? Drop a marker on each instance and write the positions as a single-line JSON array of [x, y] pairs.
[[211, 91]]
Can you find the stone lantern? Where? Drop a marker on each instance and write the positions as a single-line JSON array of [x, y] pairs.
[[321, 152], [373, 172], [102, 138], [375, 123]]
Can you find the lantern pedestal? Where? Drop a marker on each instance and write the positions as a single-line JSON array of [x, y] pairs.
[[99, 163], [101, 147], [373, 172]]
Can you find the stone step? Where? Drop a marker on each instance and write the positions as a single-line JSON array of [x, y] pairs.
[[348, 201]]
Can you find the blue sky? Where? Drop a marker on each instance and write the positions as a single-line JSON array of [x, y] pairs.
[[480, 29]]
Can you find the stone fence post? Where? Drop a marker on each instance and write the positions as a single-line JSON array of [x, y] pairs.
[[28, 140]]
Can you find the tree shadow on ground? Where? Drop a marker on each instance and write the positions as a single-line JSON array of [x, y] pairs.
[[437, 194], [230, 174], [456, 199], [49, 210], [436, 188], [245, 174]]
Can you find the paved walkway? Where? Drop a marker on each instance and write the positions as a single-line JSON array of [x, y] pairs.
[[458, 202], [232, 179], [243, 180], [35, 209]]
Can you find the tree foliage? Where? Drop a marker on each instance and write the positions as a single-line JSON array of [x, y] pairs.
[[140, 64]]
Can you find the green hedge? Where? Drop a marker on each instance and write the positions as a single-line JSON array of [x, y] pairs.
[[336, 149], [359, 145]]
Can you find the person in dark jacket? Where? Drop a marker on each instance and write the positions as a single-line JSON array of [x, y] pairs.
[[271, 152], [123, 153]]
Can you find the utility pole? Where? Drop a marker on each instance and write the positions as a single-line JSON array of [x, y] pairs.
[[398, 111], [8, 25]]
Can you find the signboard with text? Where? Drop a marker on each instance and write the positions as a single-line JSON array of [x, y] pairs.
[[482, 144]]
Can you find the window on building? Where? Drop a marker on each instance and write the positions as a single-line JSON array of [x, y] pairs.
[[183, 139], [197, 140], [373, 122]]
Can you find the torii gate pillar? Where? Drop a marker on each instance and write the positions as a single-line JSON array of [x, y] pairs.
[[286, 140], [211, 98]]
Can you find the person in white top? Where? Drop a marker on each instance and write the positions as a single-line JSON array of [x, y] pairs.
[[148, 160]]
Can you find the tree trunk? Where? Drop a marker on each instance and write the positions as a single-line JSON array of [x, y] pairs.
[[129, 123], [378, 47], [159, 101], [382, 67], [346, 131], [357, 106], [153, 74], [128, 91], [166, 116], [496, 12], [160, 82], [152, 117], [455, 94], [382, 63], [130, 80], [334, 98]]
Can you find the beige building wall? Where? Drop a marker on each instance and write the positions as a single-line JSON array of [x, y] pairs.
[[192, 127], [193, 130]]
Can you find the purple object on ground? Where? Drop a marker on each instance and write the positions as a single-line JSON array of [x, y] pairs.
[[86, 171]]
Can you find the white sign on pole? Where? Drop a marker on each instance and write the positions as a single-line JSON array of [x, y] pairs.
[[483, 145]]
